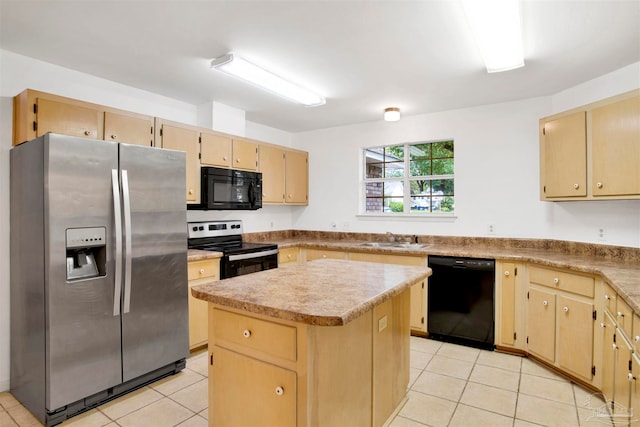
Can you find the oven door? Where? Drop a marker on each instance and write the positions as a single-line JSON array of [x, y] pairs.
[[237, 265]]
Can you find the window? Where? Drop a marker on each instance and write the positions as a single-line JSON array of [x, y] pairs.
[[414, 178]]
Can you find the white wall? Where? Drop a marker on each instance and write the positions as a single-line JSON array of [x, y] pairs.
[[496, 172]]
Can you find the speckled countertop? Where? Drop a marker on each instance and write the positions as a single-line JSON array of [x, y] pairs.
[[324, 292], [619, 267], [198, 255]]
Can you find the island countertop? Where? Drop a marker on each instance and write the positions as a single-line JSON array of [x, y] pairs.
[[325, 292]]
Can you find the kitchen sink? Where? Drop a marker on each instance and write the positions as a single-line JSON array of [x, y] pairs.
[[406, 245]]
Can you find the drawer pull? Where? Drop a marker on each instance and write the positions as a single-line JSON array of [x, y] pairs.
[[324, 256], [545, 303], [576, 186], [114, 136], [556, 280], [279, 391], [202, 271], [506, 273], [289, 256], [565, 309], [87, 132], [246, 333], [620, 314], [614, 346]]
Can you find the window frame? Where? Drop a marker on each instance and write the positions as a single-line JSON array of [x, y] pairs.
[[406, 183]]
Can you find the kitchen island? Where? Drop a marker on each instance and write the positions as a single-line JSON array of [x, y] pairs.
[[320, 344]]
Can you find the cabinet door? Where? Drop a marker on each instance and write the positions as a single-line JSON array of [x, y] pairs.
[[608, 356], [245, 154], [198, 330], [508, 304], [565, 156], [272, 397], [616, 148], [417, 317], [575, 336], [541, 324], [129, 129], [287, 255], [272, 168], [67, 119], [634, 406], [622, 384], [186, 140], [296, 177], [215, 150]]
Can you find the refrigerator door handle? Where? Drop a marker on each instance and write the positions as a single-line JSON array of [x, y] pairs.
[[127, 241], [117, 216]]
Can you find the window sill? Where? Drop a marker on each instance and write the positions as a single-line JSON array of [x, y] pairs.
[[408, 217]]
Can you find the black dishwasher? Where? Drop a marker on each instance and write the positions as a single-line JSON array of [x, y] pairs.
[[461, 301]]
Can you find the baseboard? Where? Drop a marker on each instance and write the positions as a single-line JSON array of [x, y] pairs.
[[5, 385]]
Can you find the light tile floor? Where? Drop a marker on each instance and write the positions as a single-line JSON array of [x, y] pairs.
[[450, 385]]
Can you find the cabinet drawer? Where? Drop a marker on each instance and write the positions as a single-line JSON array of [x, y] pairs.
[[321, 254], [288, 255], [574, 283], [255, 334], [202, 269], [624, 317]]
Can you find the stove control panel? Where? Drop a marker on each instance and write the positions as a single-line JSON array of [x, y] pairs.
[[214, 228]]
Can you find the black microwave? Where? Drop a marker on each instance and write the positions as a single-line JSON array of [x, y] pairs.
[[229, 189]]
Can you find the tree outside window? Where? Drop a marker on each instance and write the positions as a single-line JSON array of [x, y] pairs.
[[410, 178]]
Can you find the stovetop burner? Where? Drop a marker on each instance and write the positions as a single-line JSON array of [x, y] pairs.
[[223, 236]]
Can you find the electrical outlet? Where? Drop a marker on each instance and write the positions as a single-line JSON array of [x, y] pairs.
[[491, 228], [334, 225], [602, 234]]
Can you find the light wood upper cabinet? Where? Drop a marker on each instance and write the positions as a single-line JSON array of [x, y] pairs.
[[215, 150], [66, 119], [36, 113], [565, 156], [245, 154], [616, 148], [185, 139], [285, 175], [296, 177], [592, 152], [130, 129], [272, 168]]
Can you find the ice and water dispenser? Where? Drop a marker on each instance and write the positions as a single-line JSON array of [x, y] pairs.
[[86, 253]]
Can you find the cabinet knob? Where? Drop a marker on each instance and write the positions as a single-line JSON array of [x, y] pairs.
[[324, 256], [602, 325], [114, 136], [224, 158], [246, 333], [279, 391], [556, 280], [614, 346], [290, 196], [620, 314], [636, 338], [202, 271], [576, 186], [599, 184], [607, 297], [630, 376], [545, 303], [87, 132], [191, 191], [289, 256], [565, 309], [237, 160], [506, 273]]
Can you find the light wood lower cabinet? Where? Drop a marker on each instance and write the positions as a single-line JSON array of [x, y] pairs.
[[355, 374], [288, 255], [509, 288], [312, 254], [560, 320], [200, 272]]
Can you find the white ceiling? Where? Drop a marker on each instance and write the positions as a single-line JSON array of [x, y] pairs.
[[362, 56]]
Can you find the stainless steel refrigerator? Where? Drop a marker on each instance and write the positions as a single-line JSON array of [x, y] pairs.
[[98, 271]]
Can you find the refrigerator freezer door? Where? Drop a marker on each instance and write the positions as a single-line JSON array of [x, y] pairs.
[[155, 330], [83, 340]]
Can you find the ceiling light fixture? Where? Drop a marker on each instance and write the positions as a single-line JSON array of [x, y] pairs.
[[241, 68], [391, 114], [496, 26]]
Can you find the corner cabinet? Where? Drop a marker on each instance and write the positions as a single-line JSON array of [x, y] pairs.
[[560, 320], [592, 152], [36, 113]]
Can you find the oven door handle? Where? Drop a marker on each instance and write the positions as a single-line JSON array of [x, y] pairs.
[[253, 255]]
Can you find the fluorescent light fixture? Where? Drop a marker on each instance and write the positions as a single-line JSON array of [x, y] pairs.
[[496, 26], [391, 114], [241, 68]]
